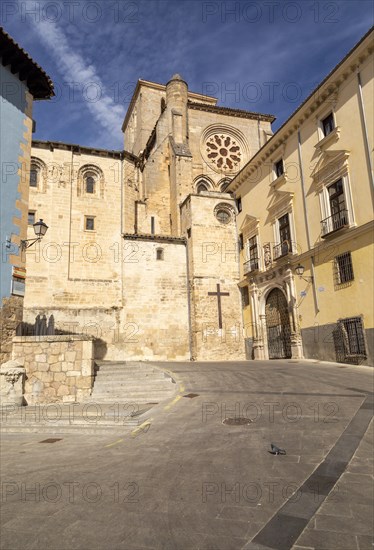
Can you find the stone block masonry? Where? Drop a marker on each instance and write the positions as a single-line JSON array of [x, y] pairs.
[[10, 317], [59, 369], [155, 301]]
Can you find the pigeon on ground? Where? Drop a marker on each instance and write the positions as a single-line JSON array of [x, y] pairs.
[[276, 450]]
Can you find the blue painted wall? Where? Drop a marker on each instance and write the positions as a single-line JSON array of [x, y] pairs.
[[12, 116]]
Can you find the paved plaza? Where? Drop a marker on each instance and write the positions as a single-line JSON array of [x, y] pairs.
[[182, 479]]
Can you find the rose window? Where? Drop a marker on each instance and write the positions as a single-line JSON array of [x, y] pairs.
[[223, 151]]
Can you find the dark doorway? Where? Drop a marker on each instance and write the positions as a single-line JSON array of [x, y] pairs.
[[278, 325]]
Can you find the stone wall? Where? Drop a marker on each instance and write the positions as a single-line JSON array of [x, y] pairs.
[[10, 317], [156, 317], [59, 369], [324, 343], [213, 260]]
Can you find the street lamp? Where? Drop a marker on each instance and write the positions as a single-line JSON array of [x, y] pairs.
[[300, 272], [40, 229]]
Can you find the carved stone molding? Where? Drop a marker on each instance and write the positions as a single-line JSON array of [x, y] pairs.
[[331, 166], [42, 174], [98, 176], [267, 255], [12, 376], [224, 149]]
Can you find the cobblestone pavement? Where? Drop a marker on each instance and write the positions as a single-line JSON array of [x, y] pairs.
[[184, 480]]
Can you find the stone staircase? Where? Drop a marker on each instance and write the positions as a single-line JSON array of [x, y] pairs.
[[131, 382], [123, 392], [58, 418]]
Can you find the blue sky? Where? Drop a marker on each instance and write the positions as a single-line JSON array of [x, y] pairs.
[[263, 56]]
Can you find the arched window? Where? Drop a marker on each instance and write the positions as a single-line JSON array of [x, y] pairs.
[[202, 186], [224, 185], [160, 254], [38, 175], [34, 176], [90, 181], [89, 184]]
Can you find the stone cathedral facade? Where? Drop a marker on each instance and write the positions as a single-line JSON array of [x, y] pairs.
[[142, 250]]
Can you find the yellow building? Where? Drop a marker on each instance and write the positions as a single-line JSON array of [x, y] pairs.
[[306, 225]]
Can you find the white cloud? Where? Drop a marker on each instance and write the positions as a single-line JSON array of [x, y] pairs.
[[74, 69]]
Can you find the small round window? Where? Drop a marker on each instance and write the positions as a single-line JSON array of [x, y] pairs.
[[223, 215]]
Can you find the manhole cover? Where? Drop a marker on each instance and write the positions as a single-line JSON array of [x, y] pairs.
[[191, 395], [50, 440], [237, 421]]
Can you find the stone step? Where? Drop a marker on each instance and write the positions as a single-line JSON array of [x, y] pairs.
[[107, 390], [123, 366], [125, 363], [125, 377], [129, 397], [128, 372], [110, 424], [154, 384], [139, 402], [129, 382], [87, 418], [86, 429], [144, 397]]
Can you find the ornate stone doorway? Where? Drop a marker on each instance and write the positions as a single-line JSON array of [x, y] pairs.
[[278, 325]]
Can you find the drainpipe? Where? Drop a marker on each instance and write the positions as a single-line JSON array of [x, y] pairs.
[[190, 339], [71, 207], [316, 305], [136, 217], [121, 167], [366, 137], [122, 214]]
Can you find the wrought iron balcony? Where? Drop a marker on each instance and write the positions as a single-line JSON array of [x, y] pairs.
[[334, 223], [251, 265], [282, 249]]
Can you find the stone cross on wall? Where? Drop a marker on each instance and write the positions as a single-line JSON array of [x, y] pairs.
[[219, 294]]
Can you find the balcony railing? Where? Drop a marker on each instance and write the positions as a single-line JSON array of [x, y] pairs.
[[251, 265], [282, 249], [334, 223]]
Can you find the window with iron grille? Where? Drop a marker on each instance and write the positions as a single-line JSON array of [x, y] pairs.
[[253, 252], [336, 197], [352, 330], [285, 232], [343, 268], [245, 296]]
